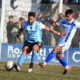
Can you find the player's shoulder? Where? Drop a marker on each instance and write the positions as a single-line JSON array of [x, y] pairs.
[[38, 23], [76, 22], [62, 20], [26, 22]]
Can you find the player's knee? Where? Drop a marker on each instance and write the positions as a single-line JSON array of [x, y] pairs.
[[25, 48], [35, 48], [59, 56], [57, 49], [24, 52]]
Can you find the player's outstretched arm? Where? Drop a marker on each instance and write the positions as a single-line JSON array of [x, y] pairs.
[[55, 32], [51, 30]]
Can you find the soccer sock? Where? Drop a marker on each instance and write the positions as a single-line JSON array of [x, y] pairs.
[[31, 65], [33, 58], [21, 59], [50, 56], [63, 62]]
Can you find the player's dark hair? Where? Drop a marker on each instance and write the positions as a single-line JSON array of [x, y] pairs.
[[31, 14], [69, 11]]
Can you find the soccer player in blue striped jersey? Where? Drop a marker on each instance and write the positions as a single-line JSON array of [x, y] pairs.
[[70, 26], [33, 39]]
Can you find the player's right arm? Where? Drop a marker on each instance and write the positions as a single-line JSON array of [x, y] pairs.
[[58, 23]]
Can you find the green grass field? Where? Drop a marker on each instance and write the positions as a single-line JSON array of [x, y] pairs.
[[51, 72]]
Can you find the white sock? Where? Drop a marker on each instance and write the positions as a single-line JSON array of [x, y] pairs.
[[67, 67]]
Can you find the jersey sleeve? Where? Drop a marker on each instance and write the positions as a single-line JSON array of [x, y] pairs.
[[24, 24], [77, 24], [60, 22], [42, 26]]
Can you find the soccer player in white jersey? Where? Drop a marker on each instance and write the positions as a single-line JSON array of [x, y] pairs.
[[33, 39], [70, 26]]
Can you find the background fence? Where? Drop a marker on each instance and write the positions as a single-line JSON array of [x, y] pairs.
[[18, 9]]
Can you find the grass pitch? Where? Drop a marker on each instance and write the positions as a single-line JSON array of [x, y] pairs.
[[51, 72]]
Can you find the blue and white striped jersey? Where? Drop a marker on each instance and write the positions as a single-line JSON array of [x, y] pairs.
[[33, 32], [70, 27]]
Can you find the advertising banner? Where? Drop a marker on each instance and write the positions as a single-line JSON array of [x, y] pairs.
[[13, 51]]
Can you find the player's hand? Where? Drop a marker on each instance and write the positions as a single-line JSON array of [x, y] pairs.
[[61, 16], [53, 23], [63, 34], [52, 20]]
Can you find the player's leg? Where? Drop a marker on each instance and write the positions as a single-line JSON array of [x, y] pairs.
[[51, 56], [21, 58], [23, 55], [61, 59], [63, 62], [35, 48]]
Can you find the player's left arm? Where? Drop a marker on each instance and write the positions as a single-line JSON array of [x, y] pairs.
[[42, 26], [51, 30], [55, 32]]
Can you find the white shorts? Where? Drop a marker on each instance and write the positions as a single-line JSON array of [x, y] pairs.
[[65, 46]]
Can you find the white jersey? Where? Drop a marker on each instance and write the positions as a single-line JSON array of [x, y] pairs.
[[70, 28]]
